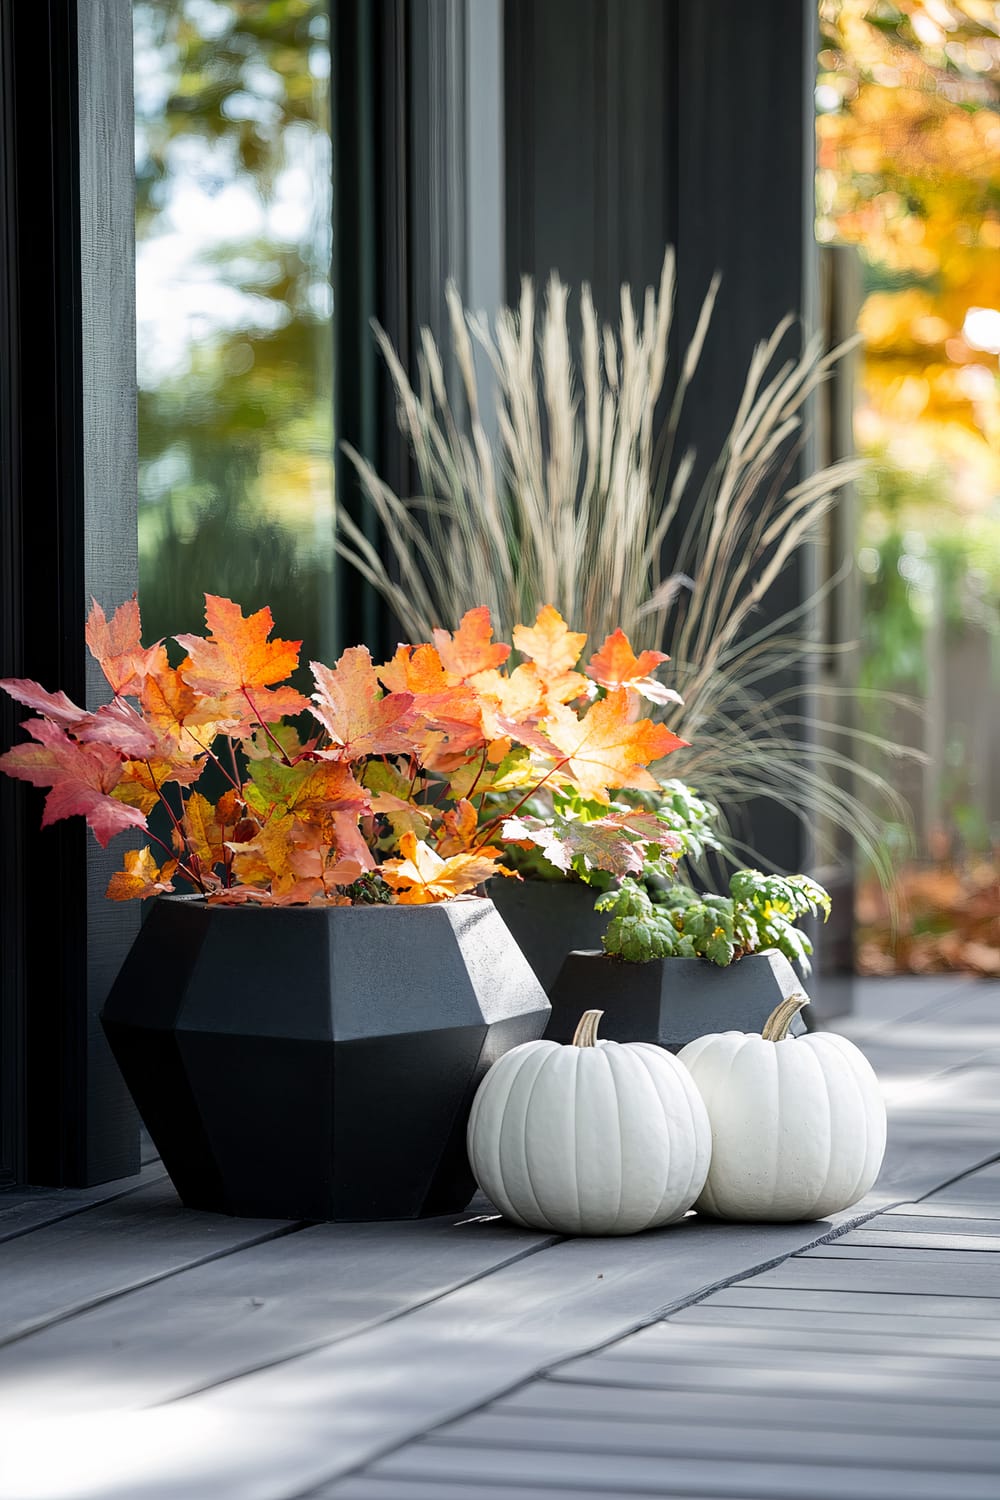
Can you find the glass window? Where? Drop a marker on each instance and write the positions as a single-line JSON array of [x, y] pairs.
[[234, 304]]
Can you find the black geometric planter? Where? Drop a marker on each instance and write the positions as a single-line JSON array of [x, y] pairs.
[[669, 1000], [318, 1062], [549, 918]]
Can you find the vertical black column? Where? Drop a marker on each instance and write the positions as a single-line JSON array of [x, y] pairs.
[[67, 501], [631, 126], [744, 122]]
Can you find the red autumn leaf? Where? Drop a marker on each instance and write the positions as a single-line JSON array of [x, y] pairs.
[[352, 709], [472, 648], [616, 665], [598, 844], [238, 664], [81, 778], [55, 706], [117, 724], [117, 646], [647, 827], [141, 878], [422, 876], [607, 747]]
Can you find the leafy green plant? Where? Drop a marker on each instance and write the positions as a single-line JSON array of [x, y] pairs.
[[759, 912]]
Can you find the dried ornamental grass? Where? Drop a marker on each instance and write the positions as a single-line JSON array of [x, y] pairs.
[[580, 497]]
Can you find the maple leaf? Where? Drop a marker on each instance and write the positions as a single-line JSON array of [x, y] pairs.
[[607, 747], [81, 779], [460, 824], [313, 790], [117, 724], [116, 645], [471, 649], [597, 844], [205, 831], [185, 724], [648, 827], [141, 781], [422, 876], [352, 709], [55, 706], [238, 664], [518, 698], [616, 665], [552, 647], [515, 770], [451, 715], [141, 877], [392, 796]]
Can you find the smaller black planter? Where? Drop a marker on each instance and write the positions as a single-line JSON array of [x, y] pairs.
[[669, 1000], [318, 1062], [549, 918]]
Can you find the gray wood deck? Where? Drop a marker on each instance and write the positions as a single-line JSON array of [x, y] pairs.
[[146, 1351]]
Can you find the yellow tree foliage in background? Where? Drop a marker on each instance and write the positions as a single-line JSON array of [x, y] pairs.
[[909, 170]]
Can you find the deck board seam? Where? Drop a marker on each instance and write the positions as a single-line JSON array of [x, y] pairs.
[[74, 1210], [40, 1325], [378, 1322], [544, 1372], [549, 1372]]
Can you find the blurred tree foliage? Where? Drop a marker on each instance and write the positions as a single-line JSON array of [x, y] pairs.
[[235, 343], [908, 103], [909, 170]]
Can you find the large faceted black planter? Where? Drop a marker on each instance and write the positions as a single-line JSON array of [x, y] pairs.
[[669, 1000], [318, 1062], [549, 918]]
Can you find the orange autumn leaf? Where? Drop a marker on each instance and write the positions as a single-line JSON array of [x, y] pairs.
[[116, 645], [460, 826], [616, 665], [359, 719], [205, 831], [518, 698], [141, 877], [607, 747], [554, 649], [549, 643], [450, 714], [141, 780], [472, 648], [422, 876], [239, 664], [186, 723]]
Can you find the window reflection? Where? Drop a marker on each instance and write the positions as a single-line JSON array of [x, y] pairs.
[[234, 304]]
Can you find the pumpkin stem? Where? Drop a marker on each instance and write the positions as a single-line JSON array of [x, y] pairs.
[[585, 1034], [776, 1026]]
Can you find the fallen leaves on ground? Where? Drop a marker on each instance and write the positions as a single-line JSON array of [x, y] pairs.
[[946, 920]]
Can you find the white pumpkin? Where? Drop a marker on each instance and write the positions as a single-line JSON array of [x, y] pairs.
[[594, 1138], [798, 1123]]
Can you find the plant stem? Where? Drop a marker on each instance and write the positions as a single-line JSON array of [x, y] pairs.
[[490, 827], [266, 728]]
